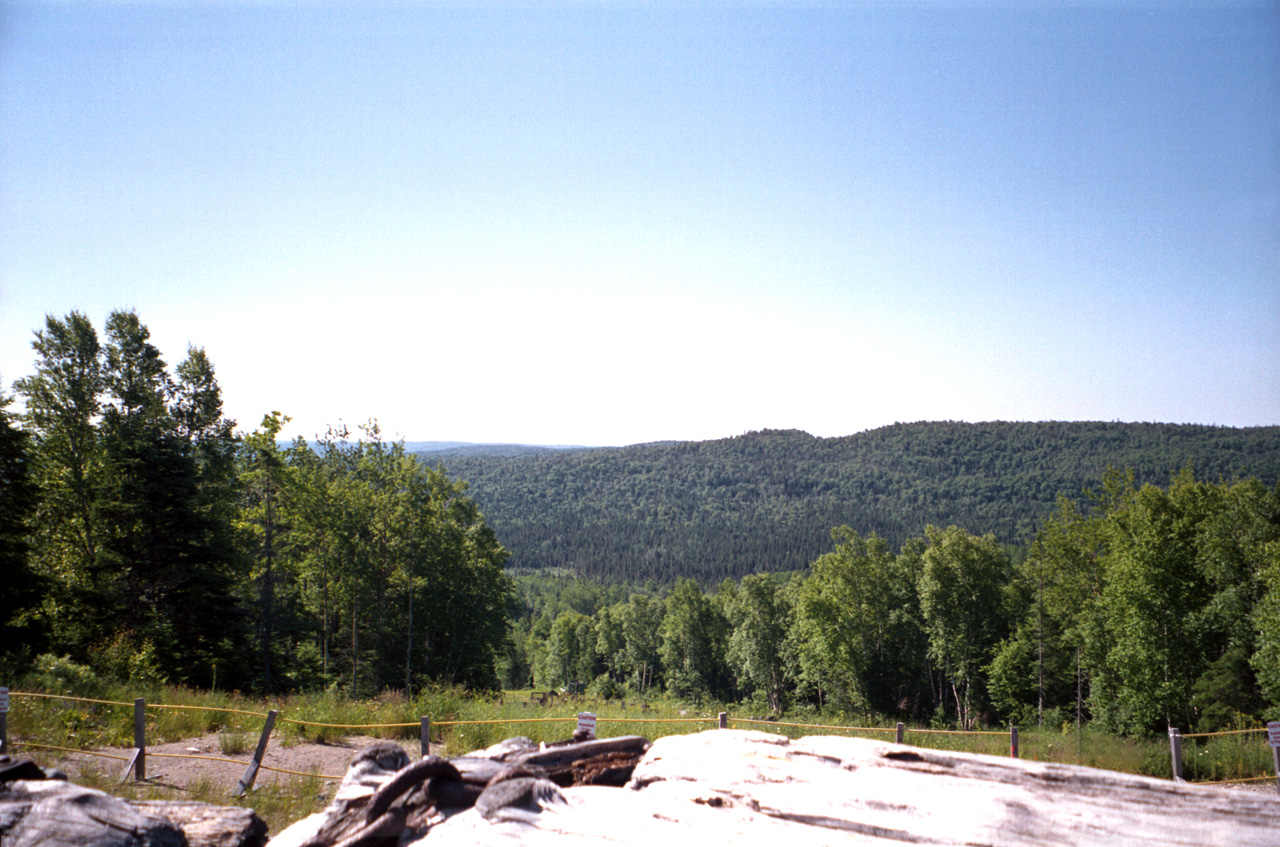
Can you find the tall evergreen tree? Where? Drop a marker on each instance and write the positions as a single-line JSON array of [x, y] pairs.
[[167, 544], [21, 630]]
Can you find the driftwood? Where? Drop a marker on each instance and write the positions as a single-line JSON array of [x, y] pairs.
[[386, 799], [40, 812], [207, 825], [726, 786], [52, 813]]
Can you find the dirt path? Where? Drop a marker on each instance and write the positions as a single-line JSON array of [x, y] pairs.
[[330, 761]]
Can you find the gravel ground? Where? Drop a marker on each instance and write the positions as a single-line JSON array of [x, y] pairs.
[[330, 761]]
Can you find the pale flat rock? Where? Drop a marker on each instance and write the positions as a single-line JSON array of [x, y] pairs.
[[729, 786]]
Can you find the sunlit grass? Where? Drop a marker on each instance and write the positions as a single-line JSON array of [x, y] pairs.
[[278, 803], [461, 723]]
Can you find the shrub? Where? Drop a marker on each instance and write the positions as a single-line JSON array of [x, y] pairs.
[[60, 675]]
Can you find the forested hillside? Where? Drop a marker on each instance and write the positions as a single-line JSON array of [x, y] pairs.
[[767, 501], [1146, 608]]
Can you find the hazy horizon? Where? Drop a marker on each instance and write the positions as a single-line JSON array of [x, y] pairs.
[[616, 224]]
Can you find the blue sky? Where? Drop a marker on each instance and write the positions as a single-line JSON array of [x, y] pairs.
[[607, 223]]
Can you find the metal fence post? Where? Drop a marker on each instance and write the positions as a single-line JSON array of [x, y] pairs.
[[1013, 740], [1175, 749], [724, 720], [902, 731], [425, 732], [140, 739]]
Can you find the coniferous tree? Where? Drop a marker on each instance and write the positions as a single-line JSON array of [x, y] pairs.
[[21, 628]]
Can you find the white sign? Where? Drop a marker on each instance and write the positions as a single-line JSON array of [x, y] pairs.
[[4, 700], [587, 724], [1273, 733]]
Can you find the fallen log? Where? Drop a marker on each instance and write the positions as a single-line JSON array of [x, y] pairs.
[[728, 786], [53, 813], [36, 811], [207, 825], [384, 799]]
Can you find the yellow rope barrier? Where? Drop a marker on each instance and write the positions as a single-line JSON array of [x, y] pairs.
[[502, 720], [207, 709], [654, 720], [1229, 781], [261, 766], [816, 725], [958, 731], [568, 718], [297, 773], [67, 697], [69, 750], [151, 755], [347, 725], [1224, 732]]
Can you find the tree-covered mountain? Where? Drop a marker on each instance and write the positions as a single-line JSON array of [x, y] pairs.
[[767, 501]]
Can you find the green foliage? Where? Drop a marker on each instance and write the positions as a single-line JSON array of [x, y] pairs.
[[143, 538], [842, 618], [23, 587], [61, 675], [694, 636], [766, 501], [133, 528], [960, 606], [1154, 605], [761, 614]]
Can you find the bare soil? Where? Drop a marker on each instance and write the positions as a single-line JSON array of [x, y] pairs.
[[181, 764]]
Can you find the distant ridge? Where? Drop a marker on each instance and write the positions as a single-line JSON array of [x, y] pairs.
[[767, 501], [436, 449]]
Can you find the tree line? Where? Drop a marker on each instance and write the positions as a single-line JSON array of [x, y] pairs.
[[145, 537], [766, 501], [1136, 606]]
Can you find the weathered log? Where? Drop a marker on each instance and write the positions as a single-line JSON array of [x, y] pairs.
[[727, 786], [207, 825], [384, 798], [53, 813], [50, 811], [605, 761]]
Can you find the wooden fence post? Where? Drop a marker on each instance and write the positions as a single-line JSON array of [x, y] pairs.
[[724, 720], [140, 739], [1275, 760], [1175, 749], [1013, 740], [424, 731], [902, 731], [251, 772]]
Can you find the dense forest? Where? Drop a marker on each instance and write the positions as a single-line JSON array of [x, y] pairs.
[[1140, 607], [950, 573], [767, 501], [145, 538]]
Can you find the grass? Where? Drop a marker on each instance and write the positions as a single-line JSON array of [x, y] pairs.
[[279, 804], [233, 743], [462, 723]]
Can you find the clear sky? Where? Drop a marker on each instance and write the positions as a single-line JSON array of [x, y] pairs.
[[609, 222]]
